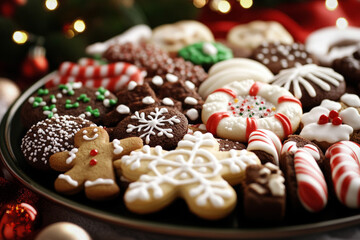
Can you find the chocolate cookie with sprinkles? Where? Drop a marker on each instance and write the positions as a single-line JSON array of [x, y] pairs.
[[68, 99]]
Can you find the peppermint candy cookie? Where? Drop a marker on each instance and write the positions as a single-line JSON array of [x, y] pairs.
[[253, 34], [311, 84], [238, 109], [195, 171], [235, 69]]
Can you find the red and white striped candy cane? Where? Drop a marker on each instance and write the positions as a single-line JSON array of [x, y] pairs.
[[290, 146], [111, 76], [311, 184], [345, 172], [267, 141]]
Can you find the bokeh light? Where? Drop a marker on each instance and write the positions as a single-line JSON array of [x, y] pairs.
[[51, 4], [79, 25], [246, 3], [224, 6], [331, 5], [20, 37], [341, 23]]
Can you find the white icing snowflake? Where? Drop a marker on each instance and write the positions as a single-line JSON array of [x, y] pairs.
[[152, 123], [196, 162]]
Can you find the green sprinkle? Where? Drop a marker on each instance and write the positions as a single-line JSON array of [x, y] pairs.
[[113, 102], [69, 105], [83, 98], [41, 92], [95, 112], [100, 97]]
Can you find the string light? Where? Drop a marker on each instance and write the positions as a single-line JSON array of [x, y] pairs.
[[79, 26], [51, 4], [341, 23], [224, 6], [331, 5], [199, 3], [20, 37], [246, 3]]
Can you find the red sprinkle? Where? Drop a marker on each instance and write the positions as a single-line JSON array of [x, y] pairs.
[[94, 152], [93, 162], [333, 114], [323, 119], [337, 121]]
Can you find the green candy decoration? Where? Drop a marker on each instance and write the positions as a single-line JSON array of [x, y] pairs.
[[37, 101], [42, 92], [95, 112], [69, 105], [83, 97]]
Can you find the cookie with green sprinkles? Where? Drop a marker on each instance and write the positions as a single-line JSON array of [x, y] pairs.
[[72, 99], [206, 53]]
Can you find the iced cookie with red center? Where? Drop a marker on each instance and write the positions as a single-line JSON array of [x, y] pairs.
[[239, 108]]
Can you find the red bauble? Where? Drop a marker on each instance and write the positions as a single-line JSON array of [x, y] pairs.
[[36, 64], [17, 221]]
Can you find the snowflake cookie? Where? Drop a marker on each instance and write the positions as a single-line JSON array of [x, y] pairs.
[[195, 171], [156, 126], [90, 164]]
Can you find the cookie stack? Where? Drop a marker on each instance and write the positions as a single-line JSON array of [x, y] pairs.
[[257, 122]]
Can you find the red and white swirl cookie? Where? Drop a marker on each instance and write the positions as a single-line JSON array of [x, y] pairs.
[[344, 159], [311, 185], [241, 107]]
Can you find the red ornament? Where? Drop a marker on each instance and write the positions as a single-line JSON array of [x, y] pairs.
[[337, 121], [36, 64], [94, 152], [17, 221], [323, 119], [93, 162], [333, 114]]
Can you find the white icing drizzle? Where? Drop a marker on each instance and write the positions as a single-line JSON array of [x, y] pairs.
[[303, 75], [152, 123], [351, 100], [85, 137], [68, 179], [117, 147], [123, 109], [99, 181], [72, 155]]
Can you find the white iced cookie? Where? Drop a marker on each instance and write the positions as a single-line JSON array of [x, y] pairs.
[[239, 108], [231, 70], [135, 34], [173, 37], [330, 43], [252, 34]]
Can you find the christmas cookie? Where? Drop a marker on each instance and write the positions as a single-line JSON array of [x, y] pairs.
[[227, 145], [349, 67], [175, 36], [277, 56], [205, 53], [231, 70], [330, 123], [331, 43], [50, 136], [155, 126], [311, 84], [89, 165], [253, 34], [343, 160], [238, 109], [113, 76], [195, 171], [266, 145], [305, 182], [136, 34], [68, 99], [264, 193]]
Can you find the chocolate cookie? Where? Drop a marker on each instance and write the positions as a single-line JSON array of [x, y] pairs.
[[305, 182], [278, 56], [71, 99], [227, 145], [349, 67], [311, 84], [264, 193], [155, 126], [155, 61], [50, 136]]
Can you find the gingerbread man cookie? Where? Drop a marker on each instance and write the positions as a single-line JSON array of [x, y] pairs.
[[90, 164], [195, 171]]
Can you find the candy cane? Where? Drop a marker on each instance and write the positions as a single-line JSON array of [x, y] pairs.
[[311, 184], [345, 172], [267, 141], [290, 146]]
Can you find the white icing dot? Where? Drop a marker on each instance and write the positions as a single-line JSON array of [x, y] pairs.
[[190, 84], [171, 77], [209, 49], [168, 102], [192, 114], [148, 100], [157, 80], [132, 85], [123, 109], [266, 61], [191, 101], [351, 100]]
